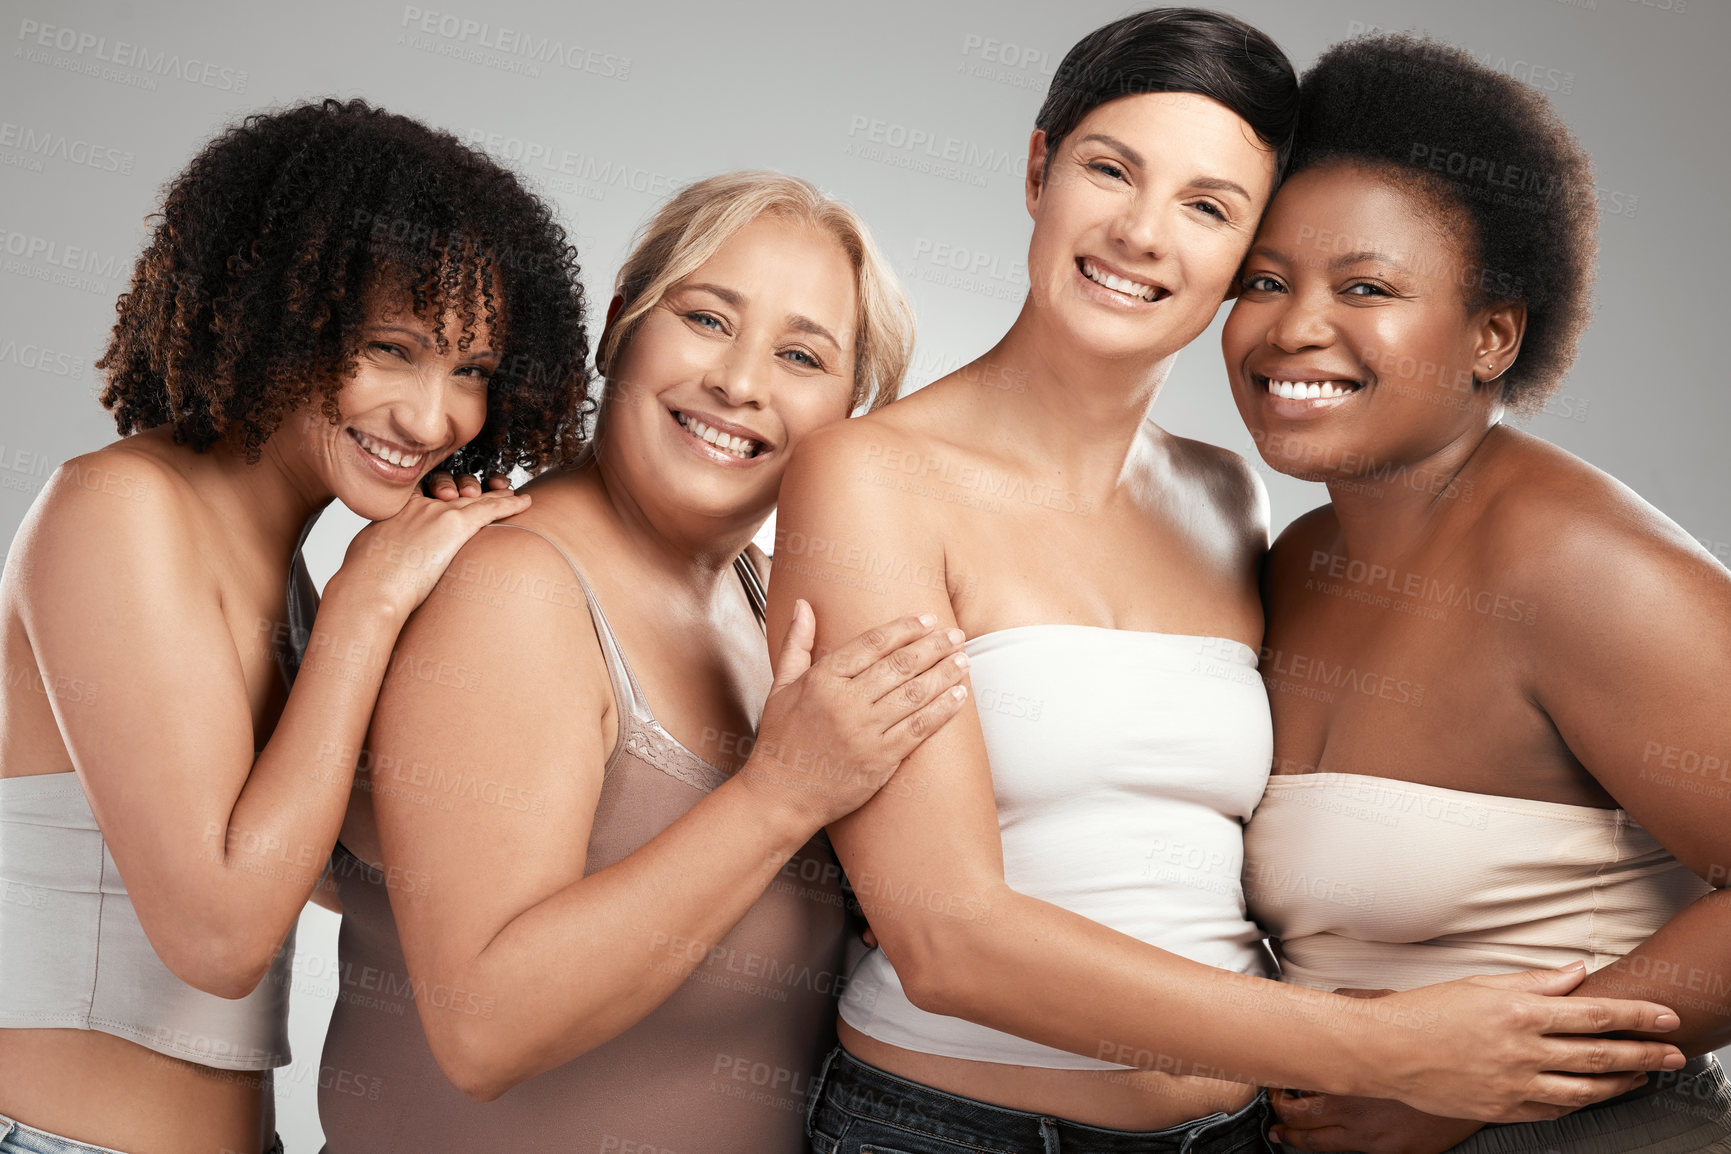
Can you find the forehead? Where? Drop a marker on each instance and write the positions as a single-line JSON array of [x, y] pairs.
[[783, 266], [1187, 131], [389, 301], [1338, 208]]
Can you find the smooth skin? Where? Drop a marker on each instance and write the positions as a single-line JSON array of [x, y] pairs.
[[759, 337], [145, 591], [1628, 645], [1114, 523]]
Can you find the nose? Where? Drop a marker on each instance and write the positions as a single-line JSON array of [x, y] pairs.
[[1299, 323], [741, 376], [1142, 227], [427, 412]]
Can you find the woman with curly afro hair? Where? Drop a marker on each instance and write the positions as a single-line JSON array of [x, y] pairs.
[[1498, 676], [335, 301]]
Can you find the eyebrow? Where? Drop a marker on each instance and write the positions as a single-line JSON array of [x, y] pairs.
[[1211, 183], [796, 321], [1366, 255], [1338, 262], [420, 339]]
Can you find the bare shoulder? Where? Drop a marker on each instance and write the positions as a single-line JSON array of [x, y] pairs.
[[873, 461], [115, 514], [1573, 536], [518, 565], [1228, 481], [1307, 533]]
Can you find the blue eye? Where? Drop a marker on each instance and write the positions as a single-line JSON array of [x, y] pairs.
[[707, 320], [805, 358]]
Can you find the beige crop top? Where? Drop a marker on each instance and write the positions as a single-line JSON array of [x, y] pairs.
[[1375, 883]]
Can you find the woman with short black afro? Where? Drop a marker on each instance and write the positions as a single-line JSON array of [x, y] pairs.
[[1493, 669], [334, 301]]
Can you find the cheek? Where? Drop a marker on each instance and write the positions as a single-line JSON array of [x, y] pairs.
[[469, 413], [811, 410]]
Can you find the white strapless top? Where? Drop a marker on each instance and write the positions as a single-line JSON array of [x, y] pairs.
[[1124, 765], [1382, 884]]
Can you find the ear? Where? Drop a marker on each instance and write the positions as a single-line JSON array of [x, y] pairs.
[[1500, 329], [613, 307], [1036, 177]]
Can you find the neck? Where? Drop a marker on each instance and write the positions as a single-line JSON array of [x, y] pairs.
[[276, 499], [1389, 514], [1068, 405], [696, 551]]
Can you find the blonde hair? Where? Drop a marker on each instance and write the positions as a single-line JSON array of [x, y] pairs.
[[692, 227]]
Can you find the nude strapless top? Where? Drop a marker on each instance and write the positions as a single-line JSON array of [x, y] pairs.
[[1382, 884]]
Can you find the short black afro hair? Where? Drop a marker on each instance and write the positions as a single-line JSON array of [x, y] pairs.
[[253, 289], [1493, 154]]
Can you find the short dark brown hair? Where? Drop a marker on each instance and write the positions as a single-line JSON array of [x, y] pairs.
[[1489, 152], [1177, 50], [273, 243]]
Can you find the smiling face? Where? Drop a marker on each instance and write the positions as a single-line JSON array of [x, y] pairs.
[[406, 407], [1142, 219], [1352, 344], [735, 364]]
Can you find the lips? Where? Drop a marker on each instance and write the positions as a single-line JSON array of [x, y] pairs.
[[733, 440], [390, 459], [1120, 282]]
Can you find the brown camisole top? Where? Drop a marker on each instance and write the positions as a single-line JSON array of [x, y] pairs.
[[722, 1065]]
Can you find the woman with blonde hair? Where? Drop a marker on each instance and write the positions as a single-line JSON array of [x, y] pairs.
[[600, 879]]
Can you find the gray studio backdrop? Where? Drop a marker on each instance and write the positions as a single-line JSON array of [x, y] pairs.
[[915, 112]]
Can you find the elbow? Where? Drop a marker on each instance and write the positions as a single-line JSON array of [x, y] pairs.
[[931, 963], [223, 967], [469, 1053]]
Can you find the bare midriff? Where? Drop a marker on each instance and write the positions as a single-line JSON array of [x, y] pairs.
[[1113, 1099], [149, 1103]]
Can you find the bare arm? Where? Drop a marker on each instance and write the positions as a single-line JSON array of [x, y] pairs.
[[557, 962], [1633, 672], [219, 850], [1036, 970]]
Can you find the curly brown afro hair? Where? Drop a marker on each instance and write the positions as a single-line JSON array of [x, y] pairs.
[[1493, 157], [274, 242]]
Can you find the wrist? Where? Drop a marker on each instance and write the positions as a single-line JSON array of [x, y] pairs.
[[361, 607], [788, 815]]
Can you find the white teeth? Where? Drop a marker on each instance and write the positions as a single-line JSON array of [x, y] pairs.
[[1310, 390], [738, 446], [1131, 288], [387, 454]]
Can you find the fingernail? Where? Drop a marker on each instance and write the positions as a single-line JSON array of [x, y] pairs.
[[960, 693], [1667, 1021], [956, 636], [961, 659], [928, 619], [1674, 1062]]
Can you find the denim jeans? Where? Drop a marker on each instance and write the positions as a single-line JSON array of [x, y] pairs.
[[855, 1108], [17, 1138]]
